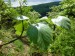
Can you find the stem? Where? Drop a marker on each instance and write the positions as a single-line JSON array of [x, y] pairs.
[[22, 28], [54, 32]]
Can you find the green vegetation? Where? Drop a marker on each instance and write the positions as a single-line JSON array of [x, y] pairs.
[[24, 33], [44, 8]]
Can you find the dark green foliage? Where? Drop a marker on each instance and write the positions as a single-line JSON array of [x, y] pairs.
[[44, 8]]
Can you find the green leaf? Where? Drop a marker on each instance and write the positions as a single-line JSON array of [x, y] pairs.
[[18, 27], [40, 34], [32, 33], [44, 18], [18, 33], [62, 21]]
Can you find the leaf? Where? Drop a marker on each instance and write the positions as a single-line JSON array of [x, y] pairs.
[[32, 33], [18, 33], [44, 18], [62, 21], [18, 27], [40, 34]]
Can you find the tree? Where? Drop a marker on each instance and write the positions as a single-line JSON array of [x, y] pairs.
[[68, 7]]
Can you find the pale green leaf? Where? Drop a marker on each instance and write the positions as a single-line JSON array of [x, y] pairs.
[[19, 27]]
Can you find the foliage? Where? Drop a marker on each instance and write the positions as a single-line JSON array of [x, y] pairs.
[[24, 10], [33, 16], [6, 15], [68, 8], [65, 42], [54, 11], [44, 8]]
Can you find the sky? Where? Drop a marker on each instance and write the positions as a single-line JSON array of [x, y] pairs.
[[35, 2], [31, 2]]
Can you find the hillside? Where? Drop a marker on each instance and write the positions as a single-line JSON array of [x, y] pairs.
[[44, 8]]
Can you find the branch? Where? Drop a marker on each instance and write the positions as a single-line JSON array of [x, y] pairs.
[[19, 36], [13, 40]]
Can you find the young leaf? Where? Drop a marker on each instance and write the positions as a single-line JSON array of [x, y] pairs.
[[40, 34], [62, 21], [19, 27]]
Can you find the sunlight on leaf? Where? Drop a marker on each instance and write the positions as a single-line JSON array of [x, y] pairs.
[[44, 18], [62, 21], [22, 18], [0, 42]]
